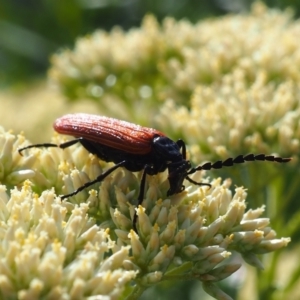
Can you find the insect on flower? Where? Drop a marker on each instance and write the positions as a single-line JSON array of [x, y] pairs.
[[136, 148]]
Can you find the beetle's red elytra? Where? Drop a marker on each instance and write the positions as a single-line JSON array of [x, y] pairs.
[[110, 132], [136, 148]]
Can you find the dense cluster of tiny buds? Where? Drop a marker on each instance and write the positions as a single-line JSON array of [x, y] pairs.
[[227, 88], [55, 251], [185, 236], [232, 88]]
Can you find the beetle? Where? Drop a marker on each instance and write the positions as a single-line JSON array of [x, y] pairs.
[[136, 148]]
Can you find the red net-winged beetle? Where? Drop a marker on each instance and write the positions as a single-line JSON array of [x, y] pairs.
[[136, 148]]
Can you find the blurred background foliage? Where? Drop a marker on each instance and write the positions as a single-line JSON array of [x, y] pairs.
[[32, 31]]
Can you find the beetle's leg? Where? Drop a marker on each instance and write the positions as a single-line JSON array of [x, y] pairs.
[[181, 144], [97, 179], [47, 145], [140, 196]]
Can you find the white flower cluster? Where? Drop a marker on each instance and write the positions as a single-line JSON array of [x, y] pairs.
[[228, 85], [54, 249], [230, 118], [52, 252]]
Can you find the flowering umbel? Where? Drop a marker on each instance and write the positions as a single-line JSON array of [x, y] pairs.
[[51, 250], [228, 85], [86, 247]]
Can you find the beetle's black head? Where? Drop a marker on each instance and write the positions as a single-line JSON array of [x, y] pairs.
[[177, 174]]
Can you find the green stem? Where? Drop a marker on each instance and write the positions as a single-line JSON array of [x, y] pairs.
[[136, 293]]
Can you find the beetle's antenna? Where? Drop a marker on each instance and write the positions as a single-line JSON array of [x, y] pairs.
[[238, 160], [197, 183], [181, 145]]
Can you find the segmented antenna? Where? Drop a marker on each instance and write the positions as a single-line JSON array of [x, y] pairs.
[[238, 160]]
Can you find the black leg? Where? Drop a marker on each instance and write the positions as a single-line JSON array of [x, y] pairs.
[[47, 145], [140, 197], [98, 179]]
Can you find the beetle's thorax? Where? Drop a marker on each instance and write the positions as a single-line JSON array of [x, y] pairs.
[[166, 149]]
